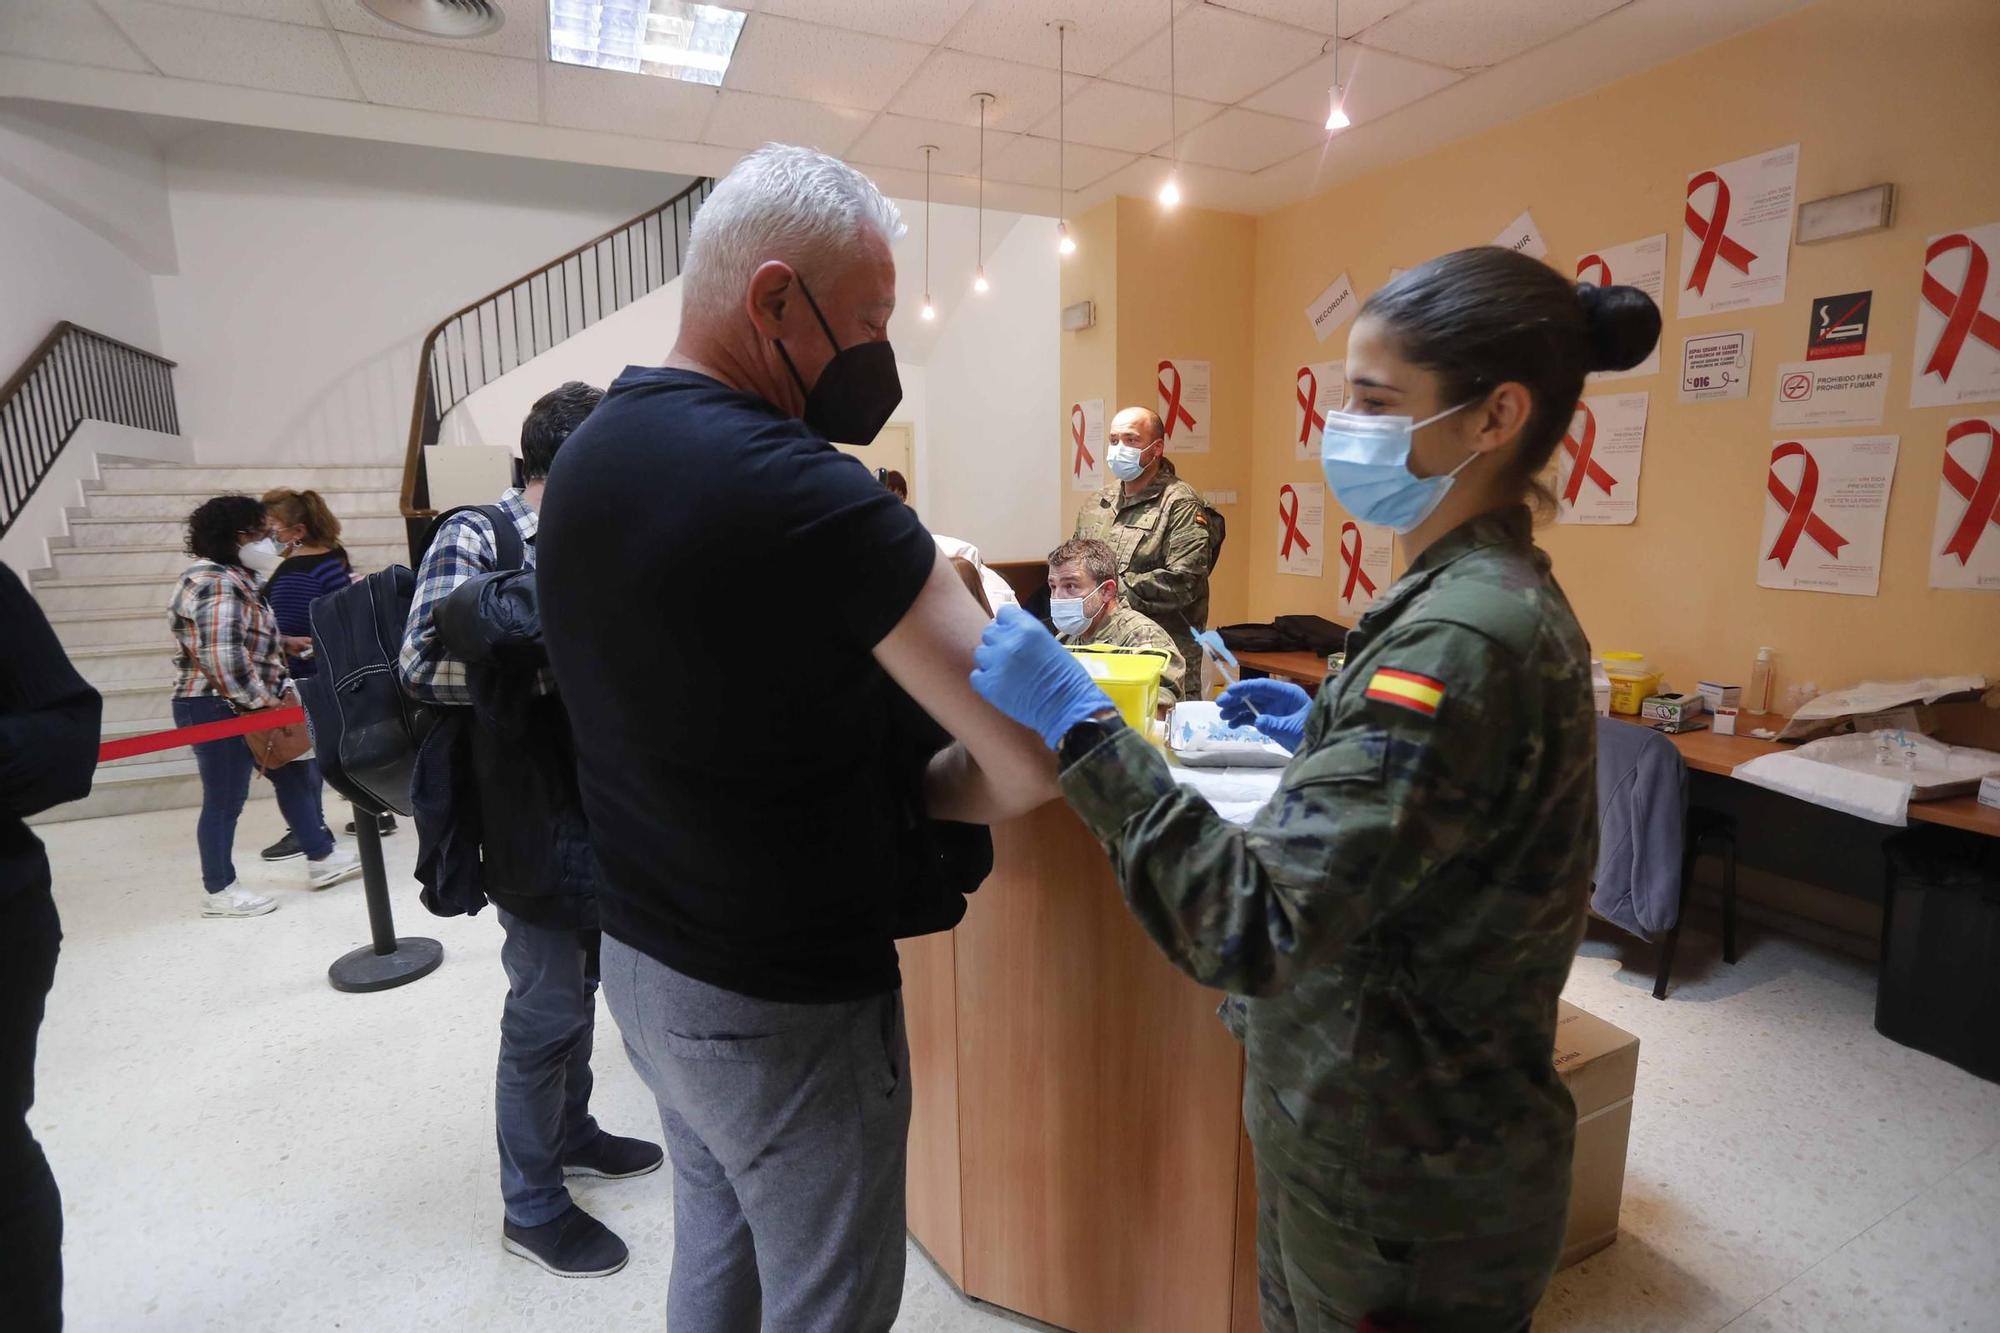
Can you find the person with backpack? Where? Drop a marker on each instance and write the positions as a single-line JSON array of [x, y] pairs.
[[314, 564], [499, 820], [1165, 537]]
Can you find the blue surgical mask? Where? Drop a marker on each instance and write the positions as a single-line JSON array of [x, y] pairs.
[[1366, 460], [1124, 461], [1071, 614]]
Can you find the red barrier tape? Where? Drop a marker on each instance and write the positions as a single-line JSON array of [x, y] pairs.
[[268, 719]]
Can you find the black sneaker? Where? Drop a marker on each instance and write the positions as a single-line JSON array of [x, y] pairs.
[[574, 1245], [610, 1157], [284, 849], [384, 826]]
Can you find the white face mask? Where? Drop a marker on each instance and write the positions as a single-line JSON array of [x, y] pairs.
[[260, 556]]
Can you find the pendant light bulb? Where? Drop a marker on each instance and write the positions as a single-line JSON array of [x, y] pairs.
[[1065, 243], [1336, 117], [1170, 191], [979, 283], [929, 311], [1336, 101]]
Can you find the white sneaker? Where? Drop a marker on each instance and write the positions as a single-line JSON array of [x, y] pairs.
[[236, 901], [343, 863]]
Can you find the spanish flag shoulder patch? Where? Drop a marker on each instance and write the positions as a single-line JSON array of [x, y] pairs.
[[1406, 689]]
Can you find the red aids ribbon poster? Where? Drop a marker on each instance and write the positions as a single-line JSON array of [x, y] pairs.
[[1736, 233], [1641, 264], [1318, 388], [1363, 574], [1085, 445], [1597, 465], [1824, 505], [1183, 386], [1965, 544], [1301, 528], [1958, 320]]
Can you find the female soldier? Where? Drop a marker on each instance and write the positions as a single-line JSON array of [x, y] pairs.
[[1403, 912]]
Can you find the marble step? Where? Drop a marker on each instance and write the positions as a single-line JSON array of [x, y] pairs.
[[132, 561], [250, 478], [173, 504], [85, 529], [168, 782], [126, 663], [96, 627], [133, 703]]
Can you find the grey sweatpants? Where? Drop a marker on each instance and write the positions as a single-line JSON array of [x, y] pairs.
[[788, 1126]]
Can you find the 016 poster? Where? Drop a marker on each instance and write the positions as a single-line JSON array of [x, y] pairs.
[[1183, 386], [1363, 574], [1302, 528], [1641, 264], [1086, 445], [1715, 366], [1318, 388], [1958, 320], [1824, 505], [1736, 233], [1965, 543], [1597, 467]]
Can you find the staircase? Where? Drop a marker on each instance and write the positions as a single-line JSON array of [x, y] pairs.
[[106, 595]]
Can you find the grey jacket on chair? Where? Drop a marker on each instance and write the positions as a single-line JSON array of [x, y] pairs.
[[1641, 804]]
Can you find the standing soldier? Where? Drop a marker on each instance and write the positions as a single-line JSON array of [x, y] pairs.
[[1158, 526], [1403, 912]]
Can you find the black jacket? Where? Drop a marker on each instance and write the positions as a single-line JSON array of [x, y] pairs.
[[48, 734]]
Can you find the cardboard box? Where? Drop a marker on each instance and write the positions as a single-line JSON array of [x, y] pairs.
[[1989, 792], [1599, 1064], [1717, 695], [1672, 707]]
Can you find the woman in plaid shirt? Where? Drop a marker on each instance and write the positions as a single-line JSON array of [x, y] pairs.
[[230, 661]]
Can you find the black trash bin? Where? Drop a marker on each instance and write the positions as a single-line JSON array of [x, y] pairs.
[[1940, 989]]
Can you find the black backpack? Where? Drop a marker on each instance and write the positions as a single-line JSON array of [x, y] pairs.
[[1218, 532], [366, 731]]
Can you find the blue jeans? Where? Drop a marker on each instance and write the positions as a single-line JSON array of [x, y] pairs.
[[541, 1096], [225, 766]]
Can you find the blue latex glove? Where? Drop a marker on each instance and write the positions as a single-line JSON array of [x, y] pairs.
[[1021, 670], [1277, 708]]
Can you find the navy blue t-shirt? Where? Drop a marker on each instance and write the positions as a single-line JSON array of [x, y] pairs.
[[713, 578], [294, 586]]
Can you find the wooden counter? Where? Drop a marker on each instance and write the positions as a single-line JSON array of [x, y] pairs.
[[1303, 669], [1076, 1143]]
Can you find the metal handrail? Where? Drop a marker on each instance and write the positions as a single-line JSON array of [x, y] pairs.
[[75, 375], [473, 346]]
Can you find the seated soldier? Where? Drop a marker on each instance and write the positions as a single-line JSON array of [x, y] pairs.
[[1084, 604]]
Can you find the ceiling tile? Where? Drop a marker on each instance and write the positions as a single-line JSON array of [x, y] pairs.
[[1317, 15], [67, 31], [306, 13], [1031, 160], [248, 53], [580, 98], [523, 32], [943, 89], [1376, 82], [898, 141], [1018, 30], [1222, 56], [1114, 115], [467, 83], [1472, 34], [786, 58], [751, 120], [925, 21], [1248, 140]]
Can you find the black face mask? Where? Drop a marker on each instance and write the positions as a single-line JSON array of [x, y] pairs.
[[856, 392]]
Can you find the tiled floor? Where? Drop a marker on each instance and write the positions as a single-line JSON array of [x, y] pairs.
[[241, 1147]]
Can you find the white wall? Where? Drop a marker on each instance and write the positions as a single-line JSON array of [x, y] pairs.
[[101, 168], [311, 267], [992, 404], [54, 268]]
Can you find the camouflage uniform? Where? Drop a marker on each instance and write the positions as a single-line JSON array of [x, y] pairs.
[[1402, 914], [1126, 628], [1161, 538]]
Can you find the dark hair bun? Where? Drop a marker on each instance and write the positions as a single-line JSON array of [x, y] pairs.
[[1624, 325]]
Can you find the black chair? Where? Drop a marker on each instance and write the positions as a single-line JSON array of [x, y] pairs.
[[1717, 832]]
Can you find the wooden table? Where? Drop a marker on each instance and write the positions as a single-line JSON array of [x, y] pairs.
[[1707, 752], [1307, 669]]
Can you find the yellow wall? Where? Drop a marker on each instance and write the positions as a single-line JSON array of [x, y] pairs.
[[1871, 92]]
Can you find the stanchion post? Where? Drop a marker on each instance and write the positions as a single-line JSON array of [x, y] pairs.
[[387, 961]]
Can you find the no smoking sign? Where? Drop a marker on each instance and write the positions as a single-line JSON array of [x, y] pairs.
[[1796, 388]]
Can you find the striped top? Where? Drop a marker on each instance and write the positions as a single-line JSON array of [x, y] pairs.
[[292, 588]]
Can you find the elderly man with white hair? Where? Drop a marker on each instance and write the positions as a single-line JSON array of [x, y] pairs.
[[730, 604]]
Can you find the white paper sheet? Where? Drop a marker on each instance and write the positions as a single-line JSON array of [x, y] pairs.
[[1597, 465], [1958, 320], [1332, 308], [1318, 387], [1302, 528], [1965, 539], [1824, 506], [1524, 236], [1843, 391], [1184, 406], [1086, 445], [1641, 264], [1716, 366], [1362, 574], [1736, 233]]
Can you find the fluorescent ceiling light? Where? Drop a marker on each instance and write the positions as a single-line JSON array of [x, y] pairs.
[[672, 39]]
